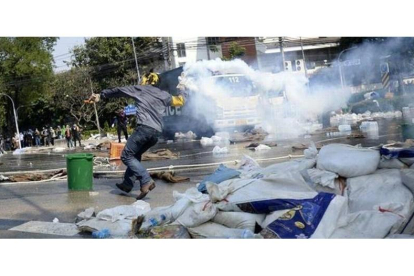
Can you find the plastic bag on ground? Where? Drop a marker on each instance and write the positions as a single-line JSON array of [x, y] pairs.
[[262, 147], [311, 152], [124, 211], [218, 150], [379, 189], [348, 161], [218, 231], [239, 220]]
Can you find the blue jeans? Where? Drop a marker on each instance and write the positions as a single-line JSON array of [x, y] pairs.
[[139, 142]]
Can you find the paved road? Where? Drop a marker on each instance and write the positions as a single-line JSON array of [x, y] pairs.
[[45, 201]]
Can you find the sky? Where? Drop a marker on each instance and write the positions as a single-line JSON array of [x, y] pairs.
[[62, 49]]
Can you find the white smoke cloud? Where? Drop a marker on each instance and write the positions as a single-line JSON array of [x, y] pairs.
[[301, 104]]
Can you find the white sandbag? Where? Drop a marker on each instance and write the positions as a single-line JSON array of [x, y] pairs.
[[119, 228], [191, 194], [348, 161], [125, 211], [323, 178], [334, 217], [197, 214], [239, 220], [286, 185], [291, 166], [381, 188], [367, 224], [218, 231], [217, 193], [407, 178], [391, 164]]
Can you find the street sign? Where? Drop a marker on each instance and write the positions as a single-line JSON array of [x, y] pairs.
[[385, 75], [351, 62], [130, 110]]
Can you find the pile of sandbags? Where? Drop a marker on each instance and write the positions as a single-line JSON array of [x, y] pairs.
[[338, 192]]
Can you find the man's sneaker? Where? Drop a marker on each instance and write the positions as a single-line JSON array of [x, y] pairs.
[[146, 189], [123, 187]]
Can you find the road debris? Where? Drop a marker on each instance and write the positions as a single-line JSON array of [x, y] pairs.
[[160, 154], [169, 177]]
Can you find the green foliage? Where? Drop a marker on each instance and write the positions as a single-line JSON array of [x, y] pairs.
[[236, 51], [26, 68], [112, 58]]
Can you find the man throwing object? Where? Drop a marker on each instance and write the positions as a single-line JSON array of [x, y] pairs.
[[151, 103]]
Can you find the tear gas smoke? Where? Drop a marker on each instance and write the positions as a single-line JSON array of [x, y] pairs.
[[288, 117]]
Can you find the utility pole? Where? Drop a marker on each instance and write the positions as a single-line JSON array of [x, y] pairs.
[[282, 53], [96, 112], [208, 48], [165, 52], [136, 61], [303, 56]]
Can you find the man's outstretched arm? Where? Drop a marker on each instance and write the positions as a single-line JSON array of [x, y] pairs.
[[118, 92]]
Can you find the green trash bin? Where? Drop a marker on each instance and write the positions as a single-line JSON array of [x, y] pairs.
[[80, 171]]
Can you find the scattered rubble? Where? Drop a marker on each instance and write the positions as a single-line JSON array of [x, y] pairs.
[[169, 177], [159, 154]]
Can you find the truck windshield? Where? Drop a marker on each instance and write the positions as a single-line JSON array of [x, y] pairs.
[[237, 86]]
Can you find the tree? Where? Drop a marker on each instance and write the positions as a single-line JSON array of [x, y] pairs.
[[112, 58], [236, 51], [71, 89], [26, 68]]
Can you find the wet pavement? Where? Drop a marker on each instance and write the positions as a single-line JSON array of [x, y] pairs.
[[45, 201]]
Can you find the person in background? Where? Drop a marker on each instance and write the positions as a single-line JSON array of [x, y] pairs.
[[37, 137], [76, 136], [58, 133], [44, 137], [2, 151], [121, 122], [51, 135], [63, 131], [68, 136]]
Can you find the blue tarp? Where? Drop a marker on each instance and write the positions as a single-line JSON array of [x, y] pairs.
[[397, 153], [221, 174], [301, 219]]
